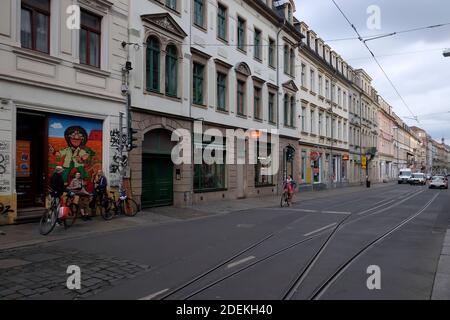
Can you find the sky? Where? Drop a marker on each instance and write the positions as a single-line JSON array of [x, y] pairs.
[[413, 61], [58, 124]]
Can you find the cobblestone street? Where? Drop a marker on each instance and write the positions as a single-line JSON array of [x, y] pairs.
[[34, 272]]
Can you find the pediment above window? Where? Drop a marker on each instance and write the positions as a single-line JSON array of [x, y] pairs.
[[101, 5], [164, 22], [243, 69], [290, 85]]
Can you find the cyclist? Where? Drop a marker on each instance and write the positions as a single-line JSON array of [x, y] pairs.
[[289, 186]]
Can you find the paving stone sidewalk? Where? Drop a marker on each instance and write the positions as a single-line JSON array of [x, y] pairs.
[[441, 288], [32, 273]]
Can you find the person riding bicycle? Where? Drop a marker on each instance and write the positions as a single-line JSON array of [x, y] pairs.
[[100, 185], [77, 187], [289, 186], [57, 185]]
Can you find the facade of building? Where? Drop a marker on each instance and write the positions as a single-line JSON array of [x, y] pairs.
[[60, 95], [221, 65], [386, 152]]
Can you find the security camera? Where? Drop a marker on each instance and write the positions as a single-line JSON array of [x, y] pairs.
[[124, 89]]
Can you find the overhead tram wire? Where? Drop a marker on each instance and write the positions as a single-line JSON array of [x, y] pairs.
[[360, 38], [384, 35]]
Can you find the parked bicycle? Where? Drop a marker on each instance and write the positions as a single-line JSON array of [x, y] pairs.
[[50, 217], [123, 205]]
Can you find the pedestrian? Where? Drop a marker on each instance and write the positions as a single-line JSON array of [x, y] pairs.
[[289, 186], [100, 185], [77, 187]]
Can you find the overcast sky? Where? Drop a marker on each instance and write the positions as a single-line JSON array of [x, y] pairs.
[[413, 61]]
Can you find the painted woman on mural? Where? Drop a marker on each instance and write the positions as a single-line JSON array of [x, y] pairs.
[[75, 155]]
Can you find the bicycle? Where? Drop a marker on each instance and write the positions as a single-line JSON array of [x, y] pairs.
[[50, 217], [123, 205], [284, 199]]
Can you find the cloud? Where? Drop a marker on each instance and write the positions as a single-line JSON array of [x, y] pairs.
[[56, 125], [420, 75]]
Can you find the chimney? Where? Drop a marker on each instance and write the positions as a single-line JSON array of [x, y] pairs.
[[443, 140]]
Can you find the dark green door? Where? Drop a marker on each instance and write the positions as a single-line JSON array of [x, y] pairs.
[[157, 180]]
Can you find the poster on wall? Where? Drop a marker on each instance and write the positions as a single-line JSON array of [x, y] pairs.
[[76, 145], [5, 174], [23, 161]]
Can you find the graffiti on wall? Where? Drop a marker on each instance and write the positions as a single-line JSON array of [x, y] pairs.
[[76, 145], [5, 210], [5, 174]]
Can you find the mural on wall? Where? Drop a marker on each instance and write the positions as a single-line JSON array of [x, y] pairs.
[[76, 145]]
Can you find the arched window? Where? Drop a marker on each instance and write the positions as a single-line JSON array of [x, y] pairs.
[[171, 70], [153, 64]]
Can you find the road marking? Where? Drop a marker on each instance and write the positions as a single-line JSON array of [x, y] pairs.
[[154, 295], [320, 229], [337, 212], [234, 264]]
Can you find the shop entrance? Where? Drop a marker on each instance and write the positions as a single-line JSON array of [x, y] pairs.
[[31, 155]]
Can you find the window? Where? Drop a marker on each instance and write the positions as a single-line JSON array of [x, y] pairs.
[[240, 97], [153, 64], [286, 110], [257, 44], [271, 107], [313, 81], [292, 112], [292, 66], [303, 79], [320, 123], [344, 100], [172, 4], [35, 25], [171, 70], [271, 52], [339, 97], [312, 119], [199, 13], [241, 34], [222, 22], [90, 35], [327, 89], [304, 119], [333, 93], [320, 85], [327, 126], [209, 177], [221, 91], [257, 103], [262, 174], [286, 59], [198, 83], [304, 166]]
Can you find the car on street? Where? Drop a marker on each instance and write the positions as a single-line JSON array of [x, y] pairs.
[[404, 175], [439, 182], [417, 178]]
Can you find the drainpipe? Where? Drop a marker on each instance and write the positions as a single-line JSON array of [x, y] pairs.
[[278, 97]]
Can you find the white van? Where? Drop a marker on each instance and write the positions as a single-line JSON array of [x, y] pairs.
[[404, 176]]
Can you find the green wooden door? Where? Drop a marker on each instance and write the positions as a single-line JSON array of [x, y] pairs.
[[157, 180]]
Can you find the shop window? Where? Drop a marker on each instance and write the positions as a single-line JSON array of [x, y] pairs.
[[263, 165], [209, 177]]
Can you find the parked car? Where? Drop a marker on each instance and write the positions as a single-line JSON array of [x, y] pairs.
[[404, 176], [417, 178], [439, 182]]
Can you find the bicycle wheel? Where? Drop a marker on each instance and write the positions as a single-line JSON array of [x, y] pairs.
[[48, 221], [129, 207], [107, 211], [74, 209], [283, 199]]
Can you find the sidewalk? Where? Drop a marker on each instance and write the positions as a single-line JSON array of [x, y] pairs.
[[14, 236], [441, 288]]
